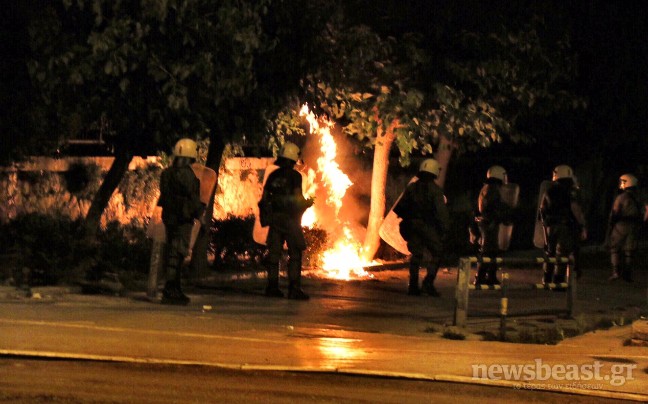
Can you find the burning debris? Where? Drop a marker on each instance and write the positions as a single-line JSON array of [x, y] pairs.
[[328, 184]]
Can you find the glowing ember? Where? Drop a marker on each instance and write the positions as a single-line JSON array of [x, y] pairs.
[[342, 261]]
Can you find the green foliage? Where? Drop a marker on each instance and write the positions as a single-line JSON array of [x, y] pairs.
[[474, 91], [506, 75], [140, 185], [32, 177], [285, 125], [52, 251], [377, 86], [156, 69], [453, 333], [232, 245], [83, 180], [432, 329], [44, 244], [125, 250], [316, 243], [547, 335]]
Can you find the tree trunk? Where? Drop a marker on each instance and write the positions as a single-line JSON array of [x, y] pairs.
[[102, 197], [443, 155], [199, 267], [378, 185]]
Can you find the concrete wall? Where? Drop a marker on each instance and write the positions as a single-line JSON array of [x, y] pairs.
[[66, 187]]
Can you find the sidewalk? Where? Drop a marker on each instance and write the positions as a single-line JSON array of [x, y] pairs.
[[366, 327]]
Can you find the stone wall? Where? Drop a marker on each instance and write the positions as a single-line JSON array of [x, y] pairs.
[[66, 187], [240, 183]]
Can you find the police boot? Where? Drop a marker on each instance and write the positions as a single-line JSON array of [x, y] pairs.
[[492, 275], [559, 276], [428, 281], [295, 292], [480, 278], [548, 274], [627, 268], [172, 294], [413, 289], [616, 274], [181, 297], [615, 261], [168, 292], [428, 287], [272, 290]]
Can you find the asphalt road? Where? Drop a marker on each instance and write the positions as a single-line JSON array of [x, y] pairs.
[[279, 350], [32, 381]]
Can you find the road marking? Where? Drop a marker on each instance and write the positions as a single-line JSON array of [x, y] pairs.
[[112, 358], [134, 330]]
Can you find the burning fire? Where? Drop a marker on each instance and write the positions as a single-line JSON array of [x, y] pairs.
[[342, 260]]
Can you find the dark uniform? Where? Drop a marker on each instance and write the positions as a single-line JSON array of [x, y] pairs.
[[491, 212], [282, 207], [425, 221], [564, 224], [624, 224], [180, 202]]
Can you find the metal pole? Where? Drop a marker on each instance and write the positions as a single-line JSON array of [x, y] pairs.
[[504, 306], [463, 286], [571, 295], [157, 260], [461, 293]]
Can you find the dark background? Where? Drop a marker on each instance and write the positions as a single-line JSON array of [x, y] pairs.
[[603, 141]]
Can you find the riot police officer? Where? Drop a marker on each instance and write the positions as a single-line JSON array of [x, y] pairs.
[[564, 223], [491, 212], [180, 202], [624, 223], [425, 222], [282, 206]]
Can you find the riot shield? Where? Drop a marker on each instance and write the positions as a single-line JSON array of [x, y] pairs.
[[207, 178], [539, 237], [155, 229], [390, 227], [260, 233], [510, 194]]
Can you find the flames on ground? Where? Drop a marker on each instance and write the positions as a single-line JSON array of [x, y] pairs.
[[328, 184]]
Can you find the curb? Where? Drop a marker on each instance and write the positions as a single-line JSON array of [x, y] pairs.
[[529, 386], [309, 369], [37, 293]]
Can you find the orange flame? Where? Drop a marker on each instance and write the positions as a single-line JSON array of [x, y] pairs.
[[342, 261], [309, 188]]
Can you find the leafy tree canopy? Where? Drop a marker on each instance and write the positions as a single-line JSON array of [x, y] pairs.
[[156, 69], [469, 87]]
